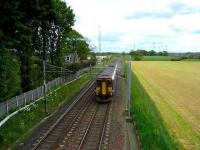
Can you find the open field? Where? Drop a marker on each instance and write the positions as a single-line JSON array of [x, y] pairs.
[[157, 58], [166, 58], [191, 59], [174, 88]]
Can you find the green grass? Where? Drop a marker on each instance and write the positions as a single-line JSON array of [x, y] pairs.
[[19, 126], [152, 131], [157, 58], [174, 88], [124, 65], [191, 59]]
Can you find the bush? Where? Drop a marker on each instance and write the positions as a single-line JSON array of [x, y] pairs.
[[179, 58], [1, 140], [137, 58], [77, 66]]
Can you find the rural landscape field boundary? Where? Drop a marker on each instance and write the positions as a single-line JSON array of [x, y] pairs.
[[152, 130], [173, 89]]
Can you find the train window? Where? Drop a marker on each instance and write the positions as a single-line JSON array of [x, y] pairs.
[[98, 83]]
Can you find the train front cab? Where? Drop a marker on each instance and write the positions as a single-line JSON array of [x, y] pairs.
[[104, 90]]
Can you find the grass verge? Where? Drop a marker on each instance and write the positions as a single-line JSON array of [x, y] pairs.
[[17, 127], [152, 131]]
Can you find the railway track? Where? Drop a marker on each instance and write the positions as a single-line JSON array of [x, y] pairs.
[[58, 129], [94, 136], [89, 130], [83, 124]]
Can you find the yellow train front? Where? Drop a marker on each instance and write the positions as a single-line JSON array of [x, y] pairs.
[[105, 84]]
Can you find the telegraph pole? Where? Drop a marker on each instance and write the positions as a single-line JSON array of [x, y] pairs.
[[44, 85]]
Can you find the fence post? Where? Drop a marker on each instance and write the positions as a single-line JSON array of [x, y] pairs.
[[42, 90], [17, 101], [38, 90], [24, 99], [32, 95], [7, 107]]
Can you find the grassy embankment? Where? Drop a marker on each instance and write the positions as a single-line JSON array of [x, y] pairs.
[[19, 126], [165, 104]]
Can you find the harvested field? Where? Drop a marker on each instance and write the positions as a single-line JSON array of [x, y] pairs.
[[174, 88]]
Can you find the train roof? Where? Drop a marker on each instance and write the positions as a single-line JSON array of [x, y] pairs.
[[108, 73]]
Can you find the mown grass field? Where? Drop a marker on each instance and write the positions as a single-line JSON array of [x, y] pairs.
[[167, 95], [157, 58]]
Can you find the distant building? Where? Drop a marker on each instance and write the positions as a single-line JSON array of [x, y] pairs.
[[71, 58], [101, 58]]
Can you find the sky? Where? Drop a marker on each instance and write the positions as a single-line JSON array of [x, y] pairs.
[[172, 25]]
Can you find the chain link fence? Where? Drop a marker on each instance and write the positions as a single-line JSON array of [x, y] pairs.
[[31, 96]]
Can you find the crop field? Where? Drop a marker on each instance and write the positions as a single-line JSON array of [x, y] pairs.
[[174, 89]]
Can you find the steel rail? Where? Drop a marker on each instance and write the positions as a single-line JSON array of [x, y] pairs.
[[63, 115], [89, 126], [104, 126]]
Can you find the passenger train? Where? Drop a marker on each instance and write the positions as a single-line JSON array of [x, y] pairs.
[[105, 84]]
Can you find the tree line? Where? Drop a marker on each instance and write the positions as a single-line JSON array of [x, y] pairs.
[[32, 31], [148, 53], [137, 54]]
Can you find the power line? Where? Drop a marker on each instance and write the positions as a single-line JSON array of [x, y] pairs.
[[58, 67]]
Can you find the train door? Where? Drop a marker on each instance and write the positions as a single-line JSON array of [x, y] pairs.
[[104, 87]]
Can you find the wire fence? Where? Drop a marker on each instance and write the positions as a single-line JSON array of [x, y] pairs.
[[31, 96]]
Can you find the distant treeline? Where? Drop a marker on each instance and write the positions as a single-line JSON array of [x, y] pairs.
[[148, 53], [32, 31], [137, 54]]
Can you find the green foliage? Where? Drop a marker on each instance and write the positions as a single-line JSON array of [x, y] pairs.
[[184, 58], [32, 31], [158, 58], [9, 75], [26, 119], [124, 65], [148, 53], [77, 43], [136, 55], [152, 130]]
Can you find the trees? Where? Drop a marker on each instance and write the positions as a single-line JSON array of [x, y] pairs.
[[141, 52], [137, 55], [32, 31], [77, 43], [9, 75]]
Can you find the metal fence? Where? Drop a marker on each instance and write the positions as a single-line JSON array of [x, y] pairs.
[[31, 96]]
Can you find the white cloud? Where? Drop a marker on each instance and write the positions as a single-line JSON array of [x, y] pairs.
[[172, 22]]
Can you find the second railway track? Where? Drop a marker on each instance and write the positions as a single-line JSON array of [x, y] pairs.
[[57, 130], [84, 124]]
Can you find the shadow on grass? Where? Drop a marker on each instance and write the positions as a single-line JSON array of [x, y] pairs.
[[152, 131]]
